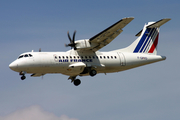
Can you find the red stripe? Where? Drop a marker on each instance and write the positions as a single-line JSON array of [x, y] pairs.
[[154, 45]]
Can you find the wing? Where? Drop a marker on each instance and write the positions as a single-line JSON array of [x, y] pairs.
[[105, 37]]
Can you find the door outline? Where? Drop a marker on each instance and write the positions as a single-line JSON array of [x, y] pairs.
[[122, 59]]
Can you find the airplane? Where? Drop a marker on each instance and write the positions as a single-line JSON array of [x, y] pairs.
[[84, 57]]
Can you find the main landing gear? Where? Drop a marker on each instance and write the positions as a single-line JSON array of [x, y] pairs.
[[92, 73], [23, 77], [74, 80], [77, 81]]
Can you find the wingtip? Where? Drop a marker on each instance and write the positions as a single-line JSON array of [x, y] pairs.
[[168, 19], [129, 18]]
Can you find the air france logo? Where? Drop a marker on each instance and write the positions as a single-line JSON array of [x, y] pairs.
[[76, 60]]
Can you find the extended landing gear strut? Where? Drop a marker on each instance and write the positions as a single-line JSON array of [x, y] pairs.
[[23, 77]]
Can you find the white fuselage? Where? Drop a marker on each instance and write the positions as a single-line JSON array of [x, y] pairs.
[[72, 63], [84, 59]]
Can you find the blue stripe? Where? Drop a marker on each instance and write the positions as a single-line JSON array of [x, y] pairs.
[[149, 29], [152, 38], [141, 41]]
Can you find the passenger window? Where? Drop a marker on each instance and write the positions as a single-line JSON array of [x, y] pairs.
[[74, 57], [90, 57], [30, 55], [78, 57], [108, 57], [111, 57], [97, 57], [101, 57], [70, 56], [59, 57], [104, 57], [26, 55], [67, 57], [93, 57], [81, 57], [115, 57], [86, 57], [63, 57]]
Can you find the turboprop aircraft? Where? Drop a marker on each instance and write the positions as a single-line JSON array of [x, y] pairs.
[[84, 58]]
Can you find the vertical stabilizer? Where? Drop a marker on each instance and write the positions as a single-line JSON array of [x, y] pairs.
[[147, 40]]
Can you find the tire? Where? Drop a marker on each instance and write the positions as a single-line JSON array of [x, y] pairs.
[[23, 77], [77, 82], [92, 73]]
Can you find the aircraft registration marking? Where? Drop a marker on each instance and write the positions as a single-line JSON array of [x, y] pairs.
[[142, 58]]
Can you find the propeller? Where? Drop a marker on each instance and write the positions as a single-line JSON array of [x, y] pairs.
[[72, 43]]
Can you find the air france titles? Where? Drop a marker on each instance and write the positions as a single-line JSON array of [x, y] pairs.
[[76, 60]]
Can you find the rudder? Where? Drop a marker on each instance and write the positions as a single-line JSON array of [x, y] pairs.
[[147, 40]]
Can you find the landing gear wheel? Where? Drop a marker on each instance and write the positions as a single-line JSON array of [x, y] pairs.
[[92, 73], [77, 82], [23, 77]]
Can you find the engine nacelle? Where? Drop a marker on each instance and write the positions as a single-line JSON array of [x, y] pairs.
[[84, 44]]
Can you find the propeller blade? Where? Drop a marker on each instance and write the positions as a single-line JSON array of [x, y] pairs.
[[74, 36], [69, 37], [72, 43]]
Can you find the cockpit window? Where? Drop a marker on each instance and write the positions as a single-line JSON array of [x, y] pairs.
[[26, 55], [20, 56]]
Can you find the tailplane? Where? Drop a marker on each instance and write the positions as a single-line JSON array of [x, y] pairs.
[[147, 40]]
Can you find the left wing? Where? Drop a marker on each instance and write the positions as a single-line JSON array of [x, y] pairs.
[[106, 36]]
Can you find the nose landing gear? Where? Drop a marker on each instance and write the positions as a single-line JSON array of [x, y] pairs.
[[23, 77]]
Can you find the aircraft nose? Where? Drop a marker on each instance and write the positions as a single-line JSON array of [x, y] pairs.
[[13, 66]]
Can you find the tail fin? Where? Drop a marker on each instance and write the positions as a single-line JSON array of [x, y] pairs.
[[148, 38]]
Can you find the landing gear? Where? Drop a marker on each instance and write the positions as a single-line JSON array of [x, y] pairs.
[[87, 71], [92, 73], [74, 80], [77, 82], [23, 77]]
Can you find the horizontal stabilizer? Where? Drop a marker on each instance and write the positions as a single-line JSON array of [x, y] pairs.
[[158, 23], [155, 25], [139, 33]]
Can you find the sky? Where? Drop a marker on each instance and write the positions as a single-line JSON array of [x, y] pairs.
[[149, 92]]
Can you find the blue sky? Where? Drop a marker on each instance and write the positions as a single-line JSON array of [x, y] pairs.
[[144, 93]]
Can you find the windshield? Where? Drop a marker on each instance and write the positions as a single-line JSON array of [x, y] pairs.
[[26, 55]]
